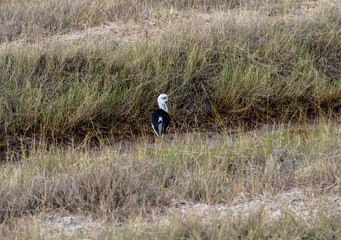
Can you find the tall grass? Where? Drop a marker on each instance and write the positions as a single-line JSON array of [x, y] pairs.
[[34, 19], [266, 70], [129, 181], [275, 63]]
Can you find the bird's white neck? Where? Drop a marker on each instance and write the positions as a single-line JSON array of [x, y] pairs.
[[163, 106]]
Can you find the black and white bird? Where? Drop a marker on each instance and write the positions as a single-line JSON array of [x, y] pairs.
[[160, 118]]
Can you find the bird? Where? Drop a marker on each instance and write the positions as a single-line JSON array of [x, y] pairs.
[[160, 118]]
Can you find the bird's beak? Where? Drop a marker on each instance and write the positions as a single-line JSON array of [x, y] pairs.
[[171, 101]]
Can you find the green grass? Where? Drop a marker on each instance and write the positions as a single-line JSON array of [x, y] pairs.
[[264, 63], [274, 69]]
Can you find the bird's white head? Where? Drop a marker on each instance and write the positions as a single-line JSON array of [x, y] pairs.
[[162, 100]]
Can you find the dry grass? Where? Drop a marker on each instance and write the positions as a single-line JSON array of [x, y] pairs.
[[238, 65], [189, 227], [150, 177], [186, 168], [266, 68], [34, 19]]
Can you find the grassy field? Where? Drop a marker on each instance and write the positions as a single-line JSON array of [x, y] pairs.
[[121, 184], [79, 81], [270, 64], [253, 227], [37, 18]]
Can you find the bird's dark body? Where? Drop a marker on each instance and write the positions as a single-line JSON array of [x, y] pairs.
[[160, 121]]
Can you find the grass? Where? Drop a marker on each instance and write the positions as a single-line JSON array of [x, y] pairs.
[[127, 182], [132, 180], [272, 69], [257, 63], [34, 19], [252, 227]]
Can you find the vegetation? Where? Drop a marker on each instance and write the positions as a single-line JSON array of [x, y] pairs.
[[246, 63], [270, 69], [126, 182], [130, 180], [253, 227], [38, 18]]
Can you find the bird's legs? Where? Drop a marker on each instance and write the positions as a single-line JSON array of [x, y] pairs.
[[160, 139]]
